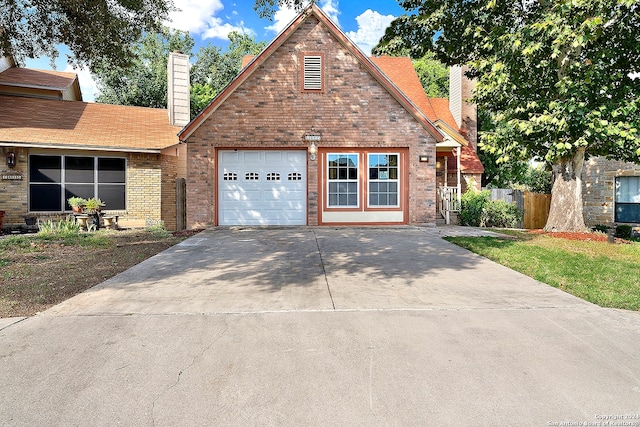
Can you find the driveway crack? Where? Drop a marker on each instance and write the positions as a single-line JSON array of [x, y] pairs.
[[324, 271], [183, 370]]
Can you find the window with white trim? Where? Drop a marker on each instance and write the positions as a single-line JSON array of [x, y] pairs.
[[54, 179], [312, 75], [342, 180], [384, 180], [627, 204]]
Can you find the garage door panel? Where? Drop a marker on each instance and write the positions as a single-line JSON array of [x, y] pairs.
[[269, 187]]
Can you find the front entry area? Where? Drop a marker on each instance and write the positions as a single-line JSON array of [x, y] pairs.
[[262, 187]]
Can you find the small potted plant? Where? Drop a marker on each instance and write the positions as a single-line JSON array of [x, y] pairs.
[[93, 206], [76, 203]]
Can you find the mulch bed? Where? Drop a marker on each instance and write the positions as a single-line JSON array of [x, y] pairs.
[[593, 237]]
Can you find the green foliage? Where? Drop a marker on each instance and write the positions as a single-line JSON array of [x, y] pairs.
[[623, 231], [93, 205], [434, 76], [95, 32], [538, 180], [267, 8], [601, 228], [201, 95], [144, 82], [63, 228], [598, 272], [555, 77], [158, 230], [76, 202], [472, 205], [498, 213]]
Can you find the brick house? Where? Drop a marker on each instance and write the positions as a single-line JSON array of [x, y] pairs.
[[57, 146], [611, 192], [313, 132]]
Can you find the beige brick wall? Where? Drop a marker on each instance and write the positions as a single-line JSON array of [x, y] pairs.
[[268, 111], [144, 199], [598, 189]]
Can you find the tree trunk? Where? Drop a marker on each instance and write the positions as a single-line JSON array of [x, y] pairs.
[[566, 195]]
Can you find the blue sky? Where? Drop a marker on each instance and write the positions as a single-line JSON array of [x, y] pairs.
[[210, 21]]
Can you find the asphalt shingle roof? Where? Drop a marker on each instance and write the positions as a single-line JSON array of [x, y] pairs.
[[84, 125]]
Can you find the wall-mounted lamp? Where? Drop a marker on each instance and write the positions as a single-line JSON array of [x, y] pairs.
[[312, 137], [313, 150], [423, 158], [11, 159]]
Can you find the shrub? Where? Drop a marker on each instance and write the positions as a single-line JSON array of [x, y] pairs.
[[538, 180], [600, 228], [623, 231], [473, 202], [498, 213]]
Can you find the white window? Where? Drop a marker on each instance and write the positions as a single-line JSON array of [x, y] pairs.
[[312, 72], [384, 180], [343, 180], [628, 199]]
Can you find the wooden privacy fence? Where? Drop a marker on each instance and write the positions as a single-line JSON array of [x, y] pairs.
[[535, 206]]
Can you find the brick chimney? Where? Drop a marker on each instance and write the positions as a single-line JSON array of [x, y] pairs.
[[178, 87], [464, 113]]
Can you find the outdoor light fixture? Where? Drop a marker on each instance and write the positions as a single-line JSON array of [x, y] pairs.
[[11, 159], [423, 158], [312, 137]]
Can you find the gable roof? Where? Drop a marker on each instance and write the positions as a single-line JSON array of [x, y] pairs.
[[63, 84], [248, 69], [47, 123]]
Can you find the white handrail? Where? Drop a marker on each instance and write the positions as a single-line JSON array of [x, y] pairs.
[[448, 202]]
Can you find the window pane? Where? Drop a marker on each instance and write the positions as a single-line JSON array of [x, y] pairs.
[[353, 200], [45, 168], [353, 173], [342, 173], [79, 169], [113, 196], [342, 200], [373, 199], [45, 197], [333, 199], [333, 187], [393, 200], [86, 191], [111, 170]]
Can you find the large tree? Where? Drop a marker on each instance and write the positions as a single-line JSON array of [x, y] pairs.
[[144, 82], [556, 74], [95, 31]]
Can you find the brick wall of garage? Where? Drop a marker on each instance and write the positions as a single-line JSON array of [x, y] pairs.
[[598, 188], [269, 111]]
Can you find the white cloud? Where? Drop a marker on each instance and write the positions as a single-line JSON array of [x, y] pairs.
[[282, 18], [371, 28], [198, 17], [284, 15], [87, 84]]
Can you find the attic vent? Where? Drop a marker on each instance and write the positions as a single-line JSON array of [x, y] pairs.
[[313, 72]]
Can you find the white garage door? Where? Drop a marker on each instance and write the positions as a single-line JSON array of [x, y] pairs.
[[262, 187]]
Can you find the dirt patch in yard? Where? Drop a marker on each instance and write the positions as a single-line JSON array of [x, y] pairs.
[[37, 274]]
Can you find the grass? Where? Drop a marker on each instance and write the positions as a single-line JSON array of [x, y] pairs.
[[602, 273]]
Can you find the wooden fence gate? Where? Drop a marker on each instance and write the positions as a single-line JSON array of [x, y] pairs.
[[536, 209]]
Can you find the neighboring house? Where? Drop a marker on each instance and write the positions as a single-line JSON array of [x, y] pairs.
[[57, 146], [313, 132], [611, 192]]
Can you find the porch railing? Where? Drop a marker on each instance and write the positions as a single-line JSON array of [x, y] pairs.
[[448, 202]]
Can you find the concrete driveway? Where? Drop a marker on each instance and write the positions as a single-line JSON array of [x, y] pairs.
[[321, 326]]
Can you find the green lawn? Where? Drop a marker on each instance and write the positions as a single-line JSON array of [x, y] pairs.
[[599, 272]]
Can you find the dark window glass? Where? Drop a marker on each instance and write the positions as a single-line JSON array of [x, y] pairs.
[[79, 169], [45, 197], [86, 191], [45, 168], [112, 195], [111, 170]]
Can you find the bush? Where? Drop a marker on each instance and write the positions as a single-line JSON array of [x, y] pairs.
[[498, 213], [600, 228], [623, 231], [538, 180], [473, 202]]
